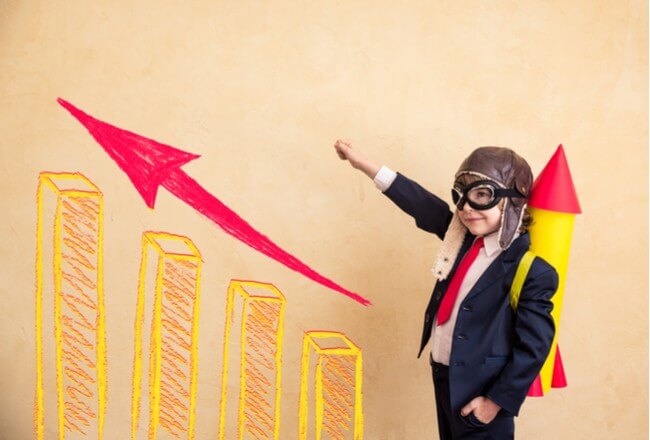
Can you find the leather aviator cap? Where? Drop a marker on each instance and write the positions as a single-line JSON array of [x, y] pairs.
[[508, 170]]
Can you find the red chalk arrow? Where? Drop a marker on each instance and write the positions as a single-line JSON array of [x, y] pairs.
[[150, 164]]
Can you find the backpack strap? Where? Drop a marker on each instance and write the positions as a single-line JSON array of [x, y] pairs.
[[520, 277]]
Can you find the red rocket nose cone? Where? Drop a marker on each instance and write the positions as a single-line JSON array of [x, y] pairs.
[[553, 189]]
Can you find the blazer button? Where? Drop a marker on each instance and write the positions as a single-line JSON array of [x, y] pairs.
[[427, 317], [459, 364], [438, 295], [462, 336], [468, 308]]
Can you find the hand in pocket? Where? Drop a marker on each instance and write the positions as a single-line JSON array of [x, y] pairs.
[[482, 406], [472, 421]]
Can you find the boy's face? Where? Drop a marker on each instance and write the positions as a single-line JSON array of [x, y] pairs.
[[479, 222]]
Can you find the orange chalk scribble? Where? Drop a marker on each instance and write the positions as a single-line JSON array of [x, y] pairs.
[[338, 395]]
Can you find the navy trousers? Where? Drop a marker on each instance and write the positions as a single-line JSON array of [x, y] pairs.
[[456, 427]]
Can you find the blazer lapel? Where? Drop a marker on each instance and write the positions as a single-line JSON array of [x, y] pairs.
[[501, 265]]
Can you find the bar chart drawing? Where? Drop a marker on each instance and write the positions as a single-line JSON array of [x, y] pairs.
[[71, 383], [330, 404], [252, 360], [71, 360], [168, 305]]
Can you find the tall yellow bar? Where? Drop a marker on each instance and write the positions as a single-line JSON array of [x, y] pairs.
[[168, 289], [252, 357], [331, 388], [70, 399]]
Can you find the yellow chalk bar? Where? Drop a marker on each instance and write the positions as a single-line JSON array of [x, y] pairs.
[[168, 291], [71, 384], [331, 388], [252, 360]]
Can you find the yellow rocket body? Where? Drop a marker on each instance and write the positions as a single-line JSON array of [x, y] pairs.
[[550, 238]]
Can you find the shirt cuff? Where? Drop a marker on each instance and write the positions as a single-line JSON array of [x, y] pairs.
[[384, 178]]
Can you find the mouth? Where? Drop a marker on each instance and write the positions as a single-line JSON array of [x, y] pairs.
[[472, 219]]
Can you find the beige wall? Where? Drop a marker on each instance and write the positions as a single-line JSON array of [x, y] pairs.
[[261, 91]]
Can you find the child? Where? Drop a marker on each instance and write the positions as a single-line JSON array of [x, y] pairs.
[[484, 355]]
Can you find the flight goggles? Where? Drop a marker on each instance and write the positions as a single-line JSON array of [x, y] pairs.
[[481, 195]]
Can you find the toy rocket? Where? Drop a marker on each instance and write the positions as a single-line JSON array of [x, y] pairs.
[[553, 205]]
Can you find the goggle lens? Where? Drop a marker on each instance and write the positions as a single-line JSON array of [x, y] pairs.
[[481, 196]]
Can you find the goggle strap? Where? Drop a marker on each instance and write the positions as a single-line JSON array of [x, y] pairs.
[[510, 192]]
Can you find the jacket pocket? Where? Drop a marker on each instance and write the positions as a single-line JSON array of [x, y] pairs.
[[473, 422], [496, 360]]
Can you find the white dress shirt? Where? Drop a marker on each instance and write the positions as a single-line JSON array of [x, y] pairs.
[[442, 336]]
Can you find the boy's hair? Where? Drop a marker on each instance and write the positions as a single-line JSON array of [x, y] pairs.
[[526, 221]]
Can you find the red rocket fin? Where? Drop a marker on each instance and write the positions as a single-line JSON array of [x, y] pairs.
[[553, 189], [559, 378], [536, 389]]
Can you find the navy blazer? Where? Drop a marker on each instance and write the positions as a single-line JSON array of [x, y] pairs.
[[496, 352]]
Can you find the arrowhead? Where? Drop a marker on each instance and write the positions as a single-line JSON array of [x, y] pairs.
[[146, 161], [553, 189]]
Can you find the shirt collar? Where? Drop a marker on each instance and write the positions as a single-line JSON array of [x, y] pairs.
[[491, 243]]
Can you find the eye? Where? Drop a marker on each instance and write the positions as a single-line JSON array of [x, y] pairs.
[[481, 195]]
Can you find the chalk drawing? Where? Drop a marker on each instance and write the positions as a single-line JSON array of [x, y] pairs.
[[168, 291], [252, 355], [70, 327], [330, 387], [150, 164]]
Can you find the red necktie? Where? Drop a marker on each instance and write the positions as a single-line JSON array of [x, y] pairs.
[[454, 285]]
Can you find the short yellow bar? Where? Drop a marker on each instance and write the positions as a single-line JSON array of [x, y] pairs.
[[252, 358], [331, 388]]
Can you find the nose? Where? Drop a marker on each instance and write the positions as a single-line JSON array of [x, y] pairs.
[[464, 206]]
